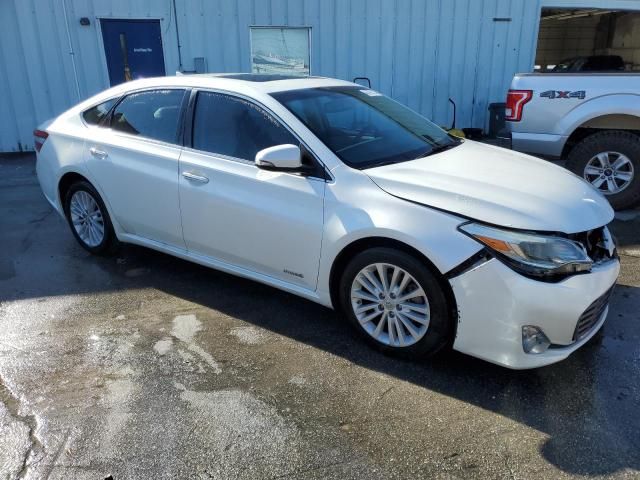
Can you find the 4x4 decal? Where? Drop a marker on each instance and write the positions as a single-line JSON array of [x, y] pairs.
[[551, 94]]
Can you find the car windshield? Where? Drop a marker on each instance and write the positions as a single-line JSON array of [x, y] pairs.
[[363, 127]]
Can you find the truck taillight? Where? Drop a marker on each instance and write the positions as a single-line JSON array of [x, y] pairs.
[[516, 100], [39, 137]]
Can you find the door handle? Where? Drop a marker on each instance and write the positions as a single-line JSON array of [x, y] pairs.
[[194, 177], [98, 153]]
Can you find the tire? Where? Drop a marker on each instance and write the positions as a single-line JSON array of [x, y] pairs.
[[76, 204], [440, 325], [621, 145]]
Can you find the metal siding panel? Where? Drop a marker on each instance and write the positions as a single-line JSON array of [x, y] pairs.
[[326, 37], [457, 82], [19, 89], [262, 12], [429, 60], [441, 108], [31, 32], [415, 53], [279, 12], [9, 130], [386, 40], [485, 59], [343, 43], [295, 13], [311, 17], [373, 25], [358, 39], [468, 74], [401, 55], [245, 19]]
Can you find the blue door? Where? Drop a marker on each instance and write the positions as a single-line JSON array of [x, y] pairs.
[[133, 49]]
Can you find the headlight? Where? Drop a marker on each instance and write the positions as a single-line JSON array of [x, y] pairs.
[[532, 254]]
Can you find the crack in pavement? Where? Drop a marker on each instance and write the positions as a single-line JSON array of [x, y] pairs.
[[13, 404]]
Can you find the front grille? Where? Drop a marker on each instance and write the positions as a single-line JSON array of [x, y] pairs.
[[591, 315]]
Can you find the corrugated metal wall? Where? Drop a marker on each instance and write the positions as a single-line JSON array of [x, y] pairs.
[[420, 52]]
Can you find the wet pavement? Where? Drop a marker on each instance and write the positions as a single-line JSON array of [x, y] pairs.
[[145, 366]]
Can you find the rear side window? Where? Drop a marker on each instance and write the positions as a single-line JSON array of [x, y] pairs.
[[235, 127], [96, 114], [151, 114]]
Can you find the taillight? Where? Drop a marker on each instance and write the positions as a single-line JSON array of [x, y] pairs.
[[39, 137], [516, 100]]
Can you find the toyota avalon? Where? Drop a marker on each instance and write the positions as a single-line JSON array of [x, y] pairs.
[[336, 193]]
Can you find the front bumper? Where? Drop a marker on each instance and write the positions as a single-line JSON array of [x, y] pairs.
[[494, 303]]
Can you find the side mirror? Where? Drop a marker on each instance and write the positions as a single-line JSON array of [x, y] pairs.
[[280, 157]]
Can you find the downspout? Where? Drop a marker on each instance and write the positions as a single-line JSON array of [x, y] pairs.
[[71, 52], [175, 16]]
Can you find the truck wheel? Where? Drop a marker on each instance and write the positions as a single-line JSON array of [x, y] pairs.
[[610, 161]]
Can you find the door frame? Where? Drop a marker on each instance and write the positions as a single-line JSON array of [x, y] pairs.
[[100, 39]]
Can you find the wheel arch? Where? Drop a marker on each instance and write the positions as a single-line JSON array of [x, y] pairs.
[[352, 249], [72, 176], [65, 182], [623, 122]]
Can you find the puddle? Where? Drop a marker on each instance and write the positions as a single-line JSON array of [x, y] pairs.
[[248, 335], [163, 346]]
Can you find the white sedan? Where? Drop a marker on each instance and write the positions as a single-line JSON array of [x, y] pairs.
[[336, 193]]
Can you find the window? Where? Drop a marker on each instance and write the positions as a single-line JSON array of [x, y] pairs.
[[234, 127], [280, 50], [363, 127], [151, 114], [96, 114]]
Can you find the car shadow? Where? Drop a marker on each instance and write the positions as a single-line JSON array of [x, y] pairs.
[[588, 405]]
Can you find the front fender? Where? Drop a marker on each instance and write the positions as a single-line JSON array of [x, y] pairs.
[[365, 211]]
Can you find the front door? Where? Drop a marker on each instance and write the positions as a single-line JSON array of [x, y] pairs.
[[266, 222], [133, 49]]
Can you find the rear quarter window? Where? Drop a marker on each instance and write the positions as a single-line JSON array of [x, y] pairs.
[[96, 114]]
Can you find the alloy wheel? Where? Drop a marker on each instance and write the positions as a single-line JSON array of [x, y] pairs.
[[86, 218], [609, 172], [390, 305]]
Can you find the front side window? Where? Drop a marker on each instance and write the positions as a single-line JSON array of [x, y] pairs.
[[364, 128], [234, 127], [151, 114], [96, 114]]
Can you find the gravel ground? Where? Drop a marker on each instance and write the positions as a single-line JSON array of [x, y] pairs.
[[145, 366]]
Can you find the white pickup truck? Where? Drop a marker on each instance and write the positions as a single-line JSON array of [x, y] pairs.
[[590, 119]]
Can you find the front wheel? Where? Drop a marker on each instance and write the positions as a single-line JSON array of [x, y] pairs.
[[396, 303], [610, 161], [89, 219]]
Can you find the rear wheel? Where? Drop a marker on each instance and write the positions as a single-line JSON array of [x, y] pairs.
[[610, 161], [89, 219], [396, 303]]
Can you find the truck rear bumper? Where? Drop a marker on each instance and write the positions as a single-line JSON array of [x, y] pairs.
[[538, 143]]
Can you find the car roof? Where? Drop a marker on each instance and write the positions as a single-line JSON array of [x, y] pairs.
[[249, 84], [236, 82]]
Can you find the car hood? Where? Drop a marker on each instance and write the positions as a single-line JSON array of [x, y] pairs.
[[497, 186]]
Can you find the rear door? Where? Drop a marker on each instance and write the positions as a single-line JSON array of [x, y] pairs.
[[134, 160], [264, 221]]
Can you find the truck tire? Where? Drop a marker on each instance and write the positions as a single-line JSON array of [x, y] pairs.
[[610, 161]]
